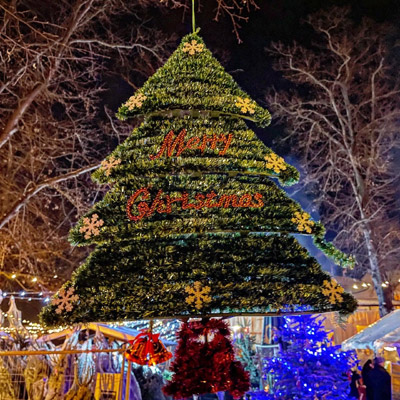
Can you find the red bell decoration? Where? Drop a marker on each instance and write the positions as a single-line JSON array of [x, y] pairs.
[[205, 362], [147, 349]]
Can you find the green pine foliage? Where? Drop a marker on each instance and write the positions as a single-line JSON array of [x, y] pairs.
[[245, 353], [196, 82], [229, 226]]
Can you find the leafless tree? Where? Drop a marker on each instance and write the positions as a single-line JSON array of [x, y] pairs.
[[235, 10], [59, 63], [56, 59], [342, 114]]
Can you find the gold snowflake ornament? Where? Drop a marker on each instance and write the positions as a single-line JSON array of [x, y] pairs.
[[64, 300], [91, 226], [276, 163], [193, 47], [245, 105], [198, 295], [135, 101], [333, 291], [108, 165], [303, 222]]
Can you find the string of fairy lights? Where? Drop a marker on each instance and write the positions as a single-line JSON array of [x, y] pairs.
[[45, 295], [28, 295], [42, 295]]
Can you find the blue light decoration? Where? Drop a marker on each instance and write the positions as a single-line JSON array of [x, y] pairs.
[[308, 366]]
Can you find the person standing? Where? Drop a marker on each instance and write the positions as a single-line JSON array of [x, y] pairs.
[[380, 381], [355, 383], [368, 366]]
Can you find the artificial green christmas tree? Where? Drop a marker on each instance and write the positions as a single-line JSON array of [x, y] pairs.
[[194, 224], [244, 343]]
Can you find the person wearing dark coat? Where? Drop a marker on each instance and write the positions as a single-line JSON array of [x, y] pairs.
[[368, 366], [355, 382], [380, 381]]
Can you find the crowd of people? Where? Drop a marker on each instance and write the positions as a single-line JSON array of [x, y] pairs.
[[374, 383]]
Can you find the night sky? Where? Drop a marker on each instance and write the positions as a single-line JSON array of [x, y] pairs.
[[275, 20], [249, 64]]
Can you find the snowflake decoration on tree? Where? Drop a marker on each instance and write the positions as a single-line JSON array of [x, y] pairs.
[[303, 222], [109, 164], [91, 226], [245, 105], [198, 295], [274, 162], [193, 47], [135, 101], [65, 300], [333, 291]]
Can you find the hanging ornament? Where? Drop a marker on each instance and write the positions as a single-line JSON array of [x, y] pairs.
[[245, 105], [193, 47], [276, 163], [205, 362], [147, 349], [333, 291], [135, 101], [198, 295], [303, 222], [64, 300], [91, 226], [108, 165]]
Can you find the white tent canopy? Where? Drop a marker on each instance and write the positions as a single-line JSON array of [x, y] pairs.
[[383, 332], [391, 339]]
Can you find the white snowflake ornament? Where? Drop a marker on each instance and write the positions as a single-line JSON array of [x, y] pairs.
[[64, 300], [91, 226]]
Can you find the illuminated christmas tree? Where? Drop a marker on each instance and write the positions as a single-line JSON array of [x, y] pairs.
[[194, 224], [309, 366]]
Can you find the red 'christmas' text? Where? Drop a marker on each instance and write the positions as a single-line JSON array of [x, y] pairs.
[[162, 203], [178, 144]]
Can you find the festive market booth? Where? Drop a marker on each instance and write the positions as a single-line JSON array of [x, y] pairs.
[[120, 333], [76, 362], [383, 338], [377, 334], [367, 311], [102, 368]]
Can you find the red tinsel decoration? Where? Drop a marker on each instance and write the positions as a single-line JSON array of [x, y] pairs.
[[204, 362]]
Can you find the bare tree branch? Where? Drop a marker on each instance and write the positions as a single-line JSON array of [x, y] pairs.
[[32, 190], [344, 125]]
